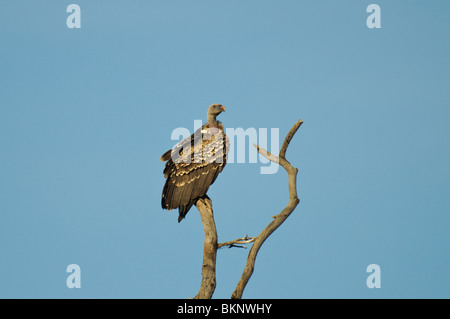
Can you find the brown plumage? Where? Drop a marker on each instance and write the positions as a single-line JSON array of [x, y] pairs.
[[194, 164]]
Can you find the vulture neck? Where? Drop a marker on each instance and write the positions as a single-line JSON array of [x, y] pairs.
[[212, 120]]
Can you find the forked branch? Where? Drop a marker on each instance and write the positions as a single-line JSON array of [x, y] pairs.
[[278, 219], [204, 206]]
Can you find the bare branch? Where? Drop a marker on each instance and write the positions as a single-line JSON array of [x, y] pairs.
[[239, 241], [267, 154], [289, 137], [204, 206], [278, 219], [208, 284]]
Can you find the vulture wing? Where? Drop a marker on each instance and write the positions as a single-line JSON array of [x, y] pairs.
[[192, 166]]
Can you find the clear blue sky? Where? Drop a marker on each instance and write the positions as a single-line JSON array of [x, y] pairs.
[[86, 113]]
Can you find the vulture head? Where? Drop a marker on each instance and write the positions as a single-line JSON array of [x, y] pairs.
[[215, 109]]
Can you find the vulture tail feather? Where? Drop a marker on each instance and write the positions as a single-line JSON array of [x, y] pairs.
[[184, 209]]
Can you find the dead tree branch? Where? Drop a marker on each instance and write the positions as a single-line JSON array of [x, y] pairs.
[[208, 284], [238, 242], [278, 219], [204, 205]]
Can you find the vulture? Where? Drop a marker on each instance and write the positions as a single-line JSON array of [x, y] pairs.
[[194, 164]]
